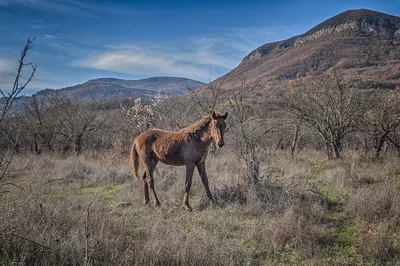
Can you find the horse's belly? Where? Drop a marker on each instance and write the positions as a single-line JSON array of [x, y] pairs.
[[172, 160]]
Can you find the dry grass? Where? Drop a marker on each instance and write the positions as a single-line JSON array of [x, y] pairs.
[[305, 211]]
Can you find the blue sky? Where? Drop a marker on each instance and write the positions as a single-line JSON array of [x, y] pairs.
[[81, 40]]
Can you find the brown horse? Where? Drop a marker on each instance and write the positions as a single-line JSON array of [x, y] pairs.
[[189, 147]]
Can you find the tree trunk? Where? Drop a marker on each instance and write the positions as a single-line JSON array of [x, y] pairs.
[[253, 165], [379, 145], [328, 150], [336, 149], [366, 147], [295, 139], [49, 145], [279, 143], [35, 144], [78, 144]]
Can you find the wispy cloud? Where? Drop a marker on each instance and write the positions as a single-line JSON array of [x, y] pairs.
[[193, 57], [36, 27], [6, 76], [193, 60], [142, 62], [49, 36], [6, 64], [41, 80], [7, 67]]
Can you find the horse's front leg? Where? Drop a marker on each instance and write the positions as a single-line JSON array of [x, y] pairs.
[[145, 190], [202, 172], [188, 184]]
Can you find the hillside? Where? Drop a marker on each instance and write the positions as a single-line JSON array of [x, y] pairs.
[[103, 89], [109, 89], [362, 44]]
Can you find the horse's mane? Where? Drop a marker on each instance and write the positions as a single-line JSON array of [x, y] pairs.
[[193, 128]]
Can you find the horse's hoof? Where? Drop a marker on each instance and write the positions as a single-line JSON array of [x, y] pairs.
[[187, 208], [146, 203], [158, 205]]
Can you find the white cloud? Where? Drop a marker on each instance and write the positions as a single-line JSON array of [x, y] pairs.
[[137, 62], [41, 80], [6, 76], [6, 63], [194, 59], [36, 27], [49, 36]]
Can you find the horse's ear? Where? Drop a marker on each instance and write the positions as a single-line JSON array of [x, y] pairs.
[[225, 115], [214, 115]]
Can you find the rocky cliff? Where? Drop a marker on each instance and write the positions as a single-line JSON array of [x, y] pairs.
[[359, 23], [363, 45]]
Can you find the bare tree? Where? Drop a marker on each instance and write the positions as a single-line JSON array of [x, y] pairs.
[[9, 98], [208, 97], [248, 127], [382, 119], [38, 122], [175, 113], [394, 138], [76, 123], [394, 119], [331, 106]]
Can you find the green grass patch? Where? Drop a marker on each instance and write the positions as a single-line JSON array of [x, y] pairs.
[[291, 257], [333, 195], [107, 192], [341, 240]]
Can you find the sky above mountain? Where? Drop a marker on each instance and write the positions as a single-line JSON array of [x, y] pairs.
[[202, 40]]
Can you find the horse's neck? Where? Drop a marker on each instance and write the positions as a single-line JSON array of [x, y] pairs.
[[204, 134]]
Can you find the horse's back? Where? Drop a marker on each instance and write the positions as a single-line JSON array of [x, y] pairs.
[[167, 146], [158, 137]]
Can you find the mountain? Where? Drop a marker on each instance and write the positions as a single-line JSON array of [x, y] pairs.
[[361, 44], [112, 90], [104, 89]]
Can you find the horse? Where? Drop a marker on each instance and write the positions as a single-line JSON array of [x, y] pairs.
[[188, 146]]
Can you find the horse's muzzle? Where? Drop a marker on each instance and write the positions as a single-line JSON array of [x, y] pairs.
[[220, 144]]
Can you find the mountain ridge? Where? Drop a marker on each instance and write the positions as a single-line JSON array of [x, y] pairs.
[[110, 88], [107, 89], [362, 20], [363, 45]]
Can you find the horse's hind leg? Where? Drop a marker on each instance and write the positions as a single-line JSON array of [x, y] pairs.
[[150, 180], [145, 190]]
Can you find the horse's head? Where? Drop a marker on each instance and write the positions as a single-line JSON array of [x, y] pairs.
[[218, 128]]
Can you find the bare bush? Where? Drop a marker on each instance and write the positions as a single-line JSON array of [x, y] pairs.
[[375, 204], [294, 230]]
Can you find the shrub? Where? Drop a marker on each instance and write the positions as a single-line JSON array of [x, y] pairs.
[[375, 204]]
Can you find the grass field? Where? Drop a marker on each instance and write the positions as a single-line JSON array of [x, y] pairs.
[[305, 211]]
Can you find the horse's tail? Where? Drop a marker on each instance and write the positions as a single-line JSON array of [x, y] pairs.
[[134, 160]]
